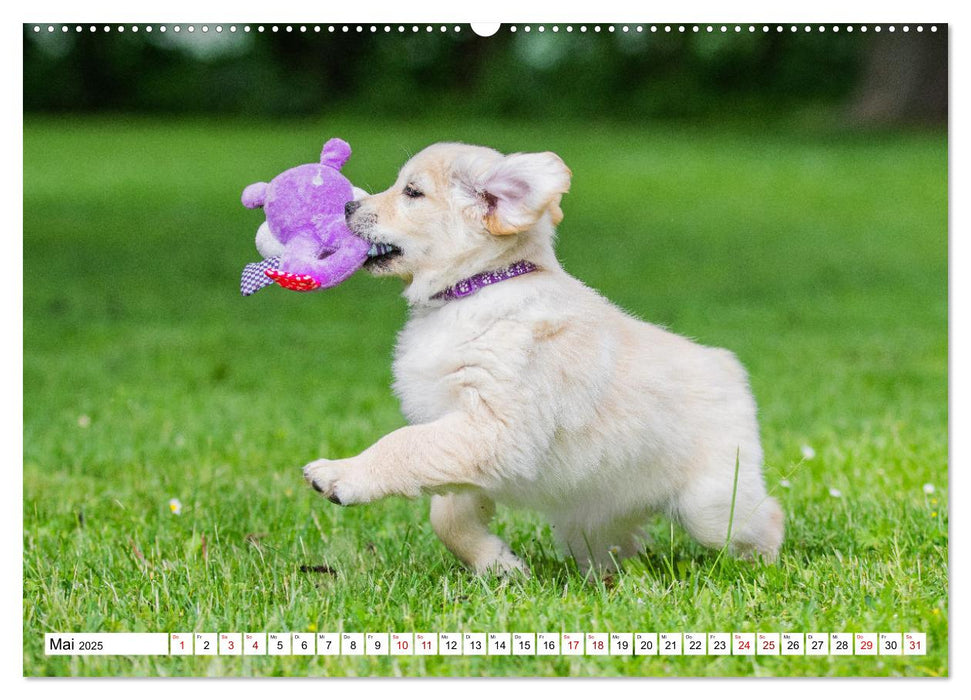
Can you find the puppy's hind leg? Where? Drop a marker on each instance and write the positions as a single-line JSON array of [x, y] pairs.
[[756, 523], [461, 521], [600, 549]]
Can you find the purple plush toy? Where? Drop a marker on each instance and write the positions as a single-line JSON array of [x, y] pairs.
[[305, 241]]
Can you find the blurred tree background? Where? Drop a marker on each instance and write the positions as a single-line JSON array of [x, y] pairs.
[[854, 77]]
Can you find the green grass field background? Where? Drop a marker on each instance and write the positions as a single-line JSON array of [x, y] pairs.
[[819, 258]]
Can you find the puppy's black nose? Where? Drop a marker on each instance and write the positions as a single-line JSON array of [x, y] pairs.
[[350, 208]]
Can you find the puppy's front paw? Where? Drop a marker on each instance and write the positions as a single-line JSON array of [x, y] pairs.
[[508, 565], [338, 482], [497, 559]]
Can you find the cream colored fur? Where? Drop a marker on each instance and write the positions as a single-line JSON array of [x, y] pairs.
[[539, 393]]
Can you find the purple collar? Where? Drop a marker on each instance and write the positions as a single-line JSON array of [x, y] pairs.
[[470, 285]]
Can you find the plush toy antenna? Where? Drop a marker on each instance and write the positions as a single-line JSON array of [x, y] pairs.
[[254, 195], [335, 153]]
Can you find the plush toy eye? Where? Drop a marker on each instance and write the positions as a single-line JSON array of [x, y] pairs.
[[413, 193]]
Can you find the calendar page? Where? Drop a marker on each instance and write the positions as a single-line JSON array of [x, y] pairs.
[[528, 349]]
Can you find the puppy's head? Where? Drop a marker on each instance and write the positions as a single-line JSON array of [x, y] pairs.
[[457, 210]]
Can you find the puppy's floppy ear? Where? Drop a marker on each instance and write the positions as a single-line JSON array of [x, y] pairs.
[[512, 195]]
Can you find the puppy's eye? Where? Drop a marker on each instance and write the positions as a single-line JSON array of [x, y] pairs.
[[412, 192]]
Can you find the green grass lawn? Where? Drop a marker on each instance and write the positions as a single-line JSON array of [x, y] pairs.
[[819, 258]]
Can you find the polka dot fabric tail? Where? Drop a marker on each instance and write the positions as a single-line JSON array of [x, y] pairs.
[[296, 283]]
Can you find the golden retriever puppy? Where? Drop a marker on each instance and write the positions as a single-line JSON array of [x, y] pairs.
[[525, 387]]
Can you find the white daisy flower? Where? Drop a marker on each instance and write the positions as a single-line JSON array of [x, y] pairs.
[[784, 483], [175, 505], [928, 489], [808, 452], [835, 493]]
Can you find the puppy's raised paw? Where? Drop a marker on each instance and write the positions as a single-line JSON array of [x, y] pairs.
[[337, 482]]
